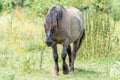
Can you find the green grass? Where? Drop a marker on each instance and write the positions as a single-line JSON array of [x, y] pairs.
[[94, 69]]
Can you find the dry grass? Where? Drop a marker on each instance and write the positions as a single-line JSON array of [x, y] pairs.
[[17, 30]]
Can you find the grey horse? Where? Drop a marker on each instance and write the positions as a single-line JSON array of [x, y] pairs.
[[64, 26]]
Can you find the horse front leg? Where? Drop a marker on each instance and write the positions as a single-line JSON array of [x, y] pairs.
[[69, 54], [64, 51], [55, 56]]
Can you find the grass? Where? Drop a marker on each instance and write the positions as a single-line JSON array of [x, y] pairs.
[[97, 69], [21, 46]]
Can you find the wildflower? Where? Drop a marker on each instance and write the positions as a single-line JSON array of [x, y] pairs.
[[19, 50], [43, 44], [4, 13]]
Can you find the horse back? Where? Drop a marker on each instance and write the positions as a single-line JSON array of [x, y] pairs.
[[76, 23]]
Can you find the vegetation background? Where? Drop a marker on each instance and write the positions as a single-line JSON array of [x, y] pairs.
[[24, 55]]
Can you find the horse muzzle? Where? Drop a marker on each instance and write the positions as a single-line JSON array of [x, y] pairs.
[[49, 42]]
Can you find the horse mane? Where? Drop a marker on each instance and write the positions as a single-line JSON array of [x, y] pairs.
[[52, 12], [58, 8]]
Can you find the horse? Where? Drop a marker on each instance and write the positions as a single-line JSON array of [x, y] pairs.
[[64, 26]]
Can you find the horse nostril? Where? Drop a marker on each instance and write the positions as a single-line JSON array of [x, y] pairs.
[[49, 43]]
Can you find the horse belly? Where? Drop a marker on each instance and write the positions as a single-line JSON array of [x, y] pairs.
[[74, 35]]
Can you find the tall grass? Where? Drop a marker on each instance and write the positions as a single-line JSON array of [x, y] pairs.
[[21, 36], [100, 35]]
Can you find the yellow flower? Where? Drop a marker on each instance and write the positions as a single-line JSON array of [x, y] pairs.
[[19, 50], [4, 13], [42, 44]]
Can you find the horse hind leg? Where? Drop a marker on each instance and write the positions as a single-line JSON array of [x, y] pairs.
[[73, 55], [76, 46], [81, 39]]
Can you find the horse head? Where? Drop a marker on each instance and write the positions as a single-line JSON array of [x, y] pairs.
[[53, 17]]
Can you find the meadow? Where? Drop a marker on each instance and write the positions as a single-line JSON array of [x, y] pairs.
[[24, 55]]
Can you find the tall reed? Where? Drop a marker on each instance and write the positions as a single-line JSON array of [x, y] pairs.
[[98, 34]]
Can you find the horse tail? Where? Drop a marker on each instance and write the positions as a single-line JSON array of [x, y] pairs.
[[82, 38]]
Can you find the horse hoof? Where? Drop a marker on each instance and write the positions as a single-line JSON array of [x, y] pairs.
[[55, 74], [71, 72], [65, 68], [65, 72]]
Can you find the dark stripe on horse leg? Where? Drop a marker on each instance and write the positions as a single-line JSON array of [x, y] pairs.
[[69, 54]]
